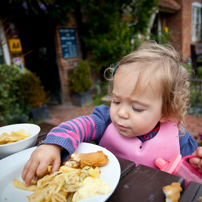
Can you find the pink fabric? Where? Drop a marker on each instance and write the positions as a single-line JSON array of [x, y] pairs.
[[67, 124], [165, 144], [79, 123], [89, 126], [71, 135]]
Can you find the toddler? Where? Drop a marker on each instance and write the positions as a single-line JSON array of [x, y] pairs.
[[150, 98]]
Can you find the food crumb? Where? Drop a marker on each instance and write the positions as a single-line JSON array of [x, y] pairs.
[[199, 199]]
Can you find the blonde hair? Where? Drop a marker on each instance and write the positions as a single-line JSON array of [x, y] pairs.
[[174, 78]]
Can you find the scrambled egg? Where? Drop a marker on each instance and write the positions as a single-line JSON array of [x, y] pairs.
[[90, 187]]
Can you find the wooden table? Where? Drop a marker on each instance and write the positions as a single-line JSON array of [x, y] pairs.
[[142, 183], [192, 192]]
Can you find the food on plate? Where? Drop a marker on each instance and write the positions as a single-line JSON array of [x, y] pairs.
[[199, 199], [21, 185], [69, 183], [6, 138], [36, 178], [87, 159], [91, 186], [172, 192]]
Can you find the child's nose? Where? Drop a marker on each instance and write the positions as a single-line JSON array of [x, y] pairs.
[[123, 112]]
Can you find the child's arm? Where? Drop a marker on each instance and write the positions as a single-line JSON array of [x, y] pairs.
[[70, 134], [188, 146], [187, 143], [66, 136]]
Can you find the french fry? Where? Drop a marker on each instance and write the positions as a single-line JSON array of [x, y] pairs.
[[66, 169], [22, 133], [94, 172], [6, 138], [4, 134], [21, 185], [68, 184]]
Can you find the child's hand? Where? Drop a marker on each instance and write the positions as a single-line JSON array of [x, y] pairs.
[[197, 162], [41, 158]]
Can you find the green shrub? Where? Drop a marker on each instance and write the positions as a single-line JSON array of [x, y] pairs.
[[9, 76], [20, 91], [196, 100], [31, 90], [79, 78], [200, 72]]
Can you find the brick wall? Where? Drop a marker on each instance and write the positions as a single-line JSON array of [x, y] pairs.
[[65, 64], [181, 25], [186, 28]]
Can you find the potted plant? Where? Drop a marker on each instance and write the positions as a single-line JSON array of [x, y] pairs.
[[32, 92], [80, 84], [9, 75], [22, 96]]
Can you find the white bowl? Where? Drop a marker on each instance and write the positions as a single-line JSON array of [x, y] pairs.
[[11, 148]]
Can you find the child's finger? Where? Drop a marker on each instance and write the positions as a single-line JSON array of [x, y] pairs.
[[56, 165], [194, 162], [199, 152], [42, 168], [31, 172]]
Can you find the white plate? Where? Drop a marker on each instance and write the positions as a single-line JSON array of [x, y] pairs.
[[11, 168]]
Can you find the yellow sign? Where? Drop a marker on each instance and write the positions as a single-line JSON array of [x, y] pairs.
[[15, 45]]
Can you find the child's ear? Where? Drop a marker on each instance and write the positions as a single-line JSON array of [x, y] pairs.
[[166, 118]]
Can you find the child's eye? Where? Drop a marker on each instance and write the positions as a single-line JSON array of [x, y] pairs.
[[137, 110], [115, 102]]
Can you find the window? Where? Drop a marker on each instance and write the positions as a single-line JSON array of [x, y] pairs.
[[196, 21]]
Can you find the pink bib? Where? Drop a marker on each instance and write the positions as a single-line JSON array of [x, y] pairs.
[[165, 144]]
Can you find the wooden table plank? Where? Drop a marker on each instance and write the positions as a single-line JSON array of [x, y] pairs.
[[126, 166], [40, 138], [143, 184], [192, 192]]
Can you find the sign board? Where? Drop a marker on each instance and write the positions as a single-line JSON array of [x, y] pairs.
[[18, 62], [15, 45], [68, 43]]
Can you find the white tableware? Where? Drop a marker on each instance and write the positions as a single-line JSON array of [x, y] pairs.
[[11, 148], [12, 166]]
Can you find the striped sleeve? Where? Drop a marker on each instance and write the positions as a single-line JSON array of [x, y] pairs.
[[71, 133]]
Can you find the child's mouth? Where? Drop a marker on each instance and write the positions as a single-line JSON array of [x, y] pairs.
[[121, 127]]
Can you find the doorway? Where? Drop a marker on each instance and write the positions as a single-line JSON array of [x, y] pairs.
[[37, 35]]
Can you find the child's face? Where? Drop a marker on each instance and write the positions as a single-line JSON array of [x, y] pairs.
[[134, 113]]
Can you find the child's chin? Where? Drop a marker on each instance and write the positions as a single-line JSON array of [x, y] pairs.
[[126, 135]]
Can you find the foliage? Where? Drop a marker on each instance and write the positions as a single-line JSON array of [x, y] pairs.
[[54, 9], [108, 34], [200, 72], [195, 93], [9, 76], [196, 100], [106, 28], [101, 91], [107, 51], [141, 14], [31, 90], [20, 90], [162, 37], [79, 78]]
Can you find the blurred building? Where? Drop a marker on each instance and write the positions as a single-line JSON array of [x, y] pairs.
[[50, 49]]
